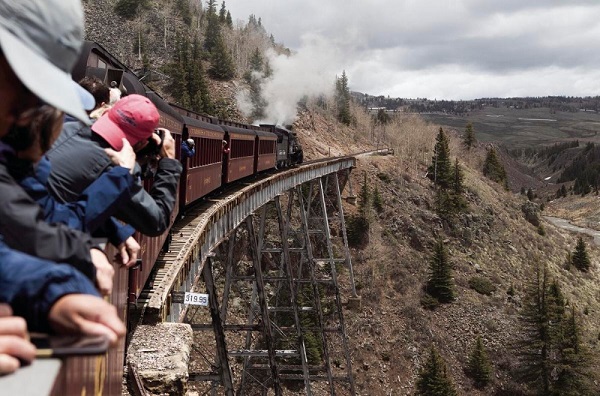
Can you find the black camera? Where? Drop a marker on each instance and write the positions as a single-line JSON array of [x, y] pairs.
[[152, 149]]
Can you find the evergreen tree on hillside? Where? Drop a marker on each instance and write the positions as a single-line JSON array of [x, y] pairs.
[[213, 30], [223, 14], [434, 379], [364, 196], [177, 70], [459, 202], [580, 258], [197, 87], [342, 99], [221, 64], [183, 6], [256, 61], [377, 200], [440, 284], [552, 359], [574, 363], [538, 328], [469, 139], [229, 20], [493, 169], [480, 368], [129, 9], [440, 170]]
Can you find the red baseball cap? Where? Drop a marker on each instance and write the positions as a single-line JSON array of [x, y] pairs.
[[134, 118]]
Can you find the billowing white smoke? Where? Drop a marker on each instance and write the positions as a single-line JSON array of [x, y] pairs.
[[310, 72]]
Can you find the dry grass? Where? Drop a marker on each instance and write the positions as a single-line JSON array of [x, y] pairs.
[[389, 337]]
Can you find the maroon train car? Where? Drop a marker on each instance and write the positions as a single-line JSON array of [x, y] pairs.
[[266, 151], [202, 172], [239, 161], [204, 169]]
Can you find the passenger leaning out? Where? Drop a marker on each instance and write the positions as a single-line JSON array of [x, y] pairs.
[[134, 118]]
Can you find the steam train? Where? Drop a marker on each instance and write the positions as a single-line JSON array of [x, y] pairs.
[[250, 150]]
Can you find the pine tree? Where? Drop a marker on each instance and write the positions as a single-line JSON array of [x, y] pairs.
[[440, 170], [440, 283], [223, 14], [457, 189], [377, 200], [256, 61], [480, 368], [342, 99], [364, 197], [553, 360], [197, 87], [176, 69], [580, 258], [535, 348], [493, 169], [221, 64], [469, 139], [229, 20], [434, 379], [128, 9], [213, 31], [183, 6], [574, 363]]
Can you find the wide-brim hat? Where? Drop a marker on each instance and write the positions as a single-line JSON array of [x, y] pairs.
[[41, 41]]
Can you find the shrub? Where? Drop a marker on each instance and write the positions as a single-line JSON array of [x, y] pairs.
[[482, 285], [358, 231], [429, 302]]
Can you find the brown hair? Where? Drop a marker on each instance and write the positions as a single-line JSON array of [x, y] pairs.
[[97, 88], [39, 129]]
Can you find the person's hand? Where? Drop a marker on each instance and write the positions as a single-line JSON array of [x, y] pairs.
[[13, 341], [128, 252], [168, 145], [124, 158], [104, 271], [86, 314]]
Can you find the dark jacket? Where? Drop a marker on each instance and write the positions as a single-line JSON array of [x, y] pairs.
[[149, 213], [93, 207], [23, 226], [31, 285], [187, 151]]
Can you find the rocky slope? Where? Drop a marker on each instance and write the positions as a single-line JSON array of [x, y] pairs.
[[391, 333]]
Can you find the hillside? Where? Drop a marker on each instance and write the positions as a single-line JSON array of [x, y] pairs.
[[391, 334]]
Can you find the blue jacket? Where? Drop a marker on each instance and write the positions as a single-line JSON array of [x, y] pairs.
[[23, 227], [31, 285], [186, 151], [93, 208]]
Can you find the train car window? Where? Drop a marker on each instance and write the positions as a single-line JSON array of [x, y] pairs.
[[242, 148], [266, 147]]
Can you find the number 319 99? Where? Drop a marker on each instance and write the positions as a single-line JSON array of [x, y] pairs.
[[196, 299]]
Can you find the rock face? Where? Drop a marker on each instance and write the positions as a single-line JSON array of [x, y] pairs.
[[161, 354]]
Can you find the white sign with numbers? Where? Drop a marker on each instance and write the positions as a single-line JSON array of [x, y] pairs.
[[196, 299]]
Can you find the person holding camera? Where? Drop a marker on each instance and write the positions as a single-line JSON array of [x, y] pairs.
[[187, 149], [79, 156]]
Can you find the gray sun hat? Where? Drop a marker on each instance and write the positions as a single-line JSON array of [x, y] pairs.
[[41, 40]]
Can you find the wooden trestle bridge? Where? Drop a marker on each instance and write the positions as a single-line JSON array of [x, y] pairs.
[[266, 257]]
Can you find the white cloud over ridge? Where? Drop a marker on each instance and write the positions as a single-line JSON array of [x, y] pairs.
[[457, 49]]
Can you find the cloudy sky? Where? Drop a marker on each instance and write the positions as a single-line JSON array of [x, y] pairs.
[[444, 49]]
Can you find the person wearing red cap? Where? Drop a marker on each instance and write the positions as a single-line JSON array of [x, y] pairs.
[[134, 118]]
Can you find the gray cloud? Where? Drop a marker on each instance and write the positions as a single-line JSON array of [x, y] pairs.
[[534, 48]]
